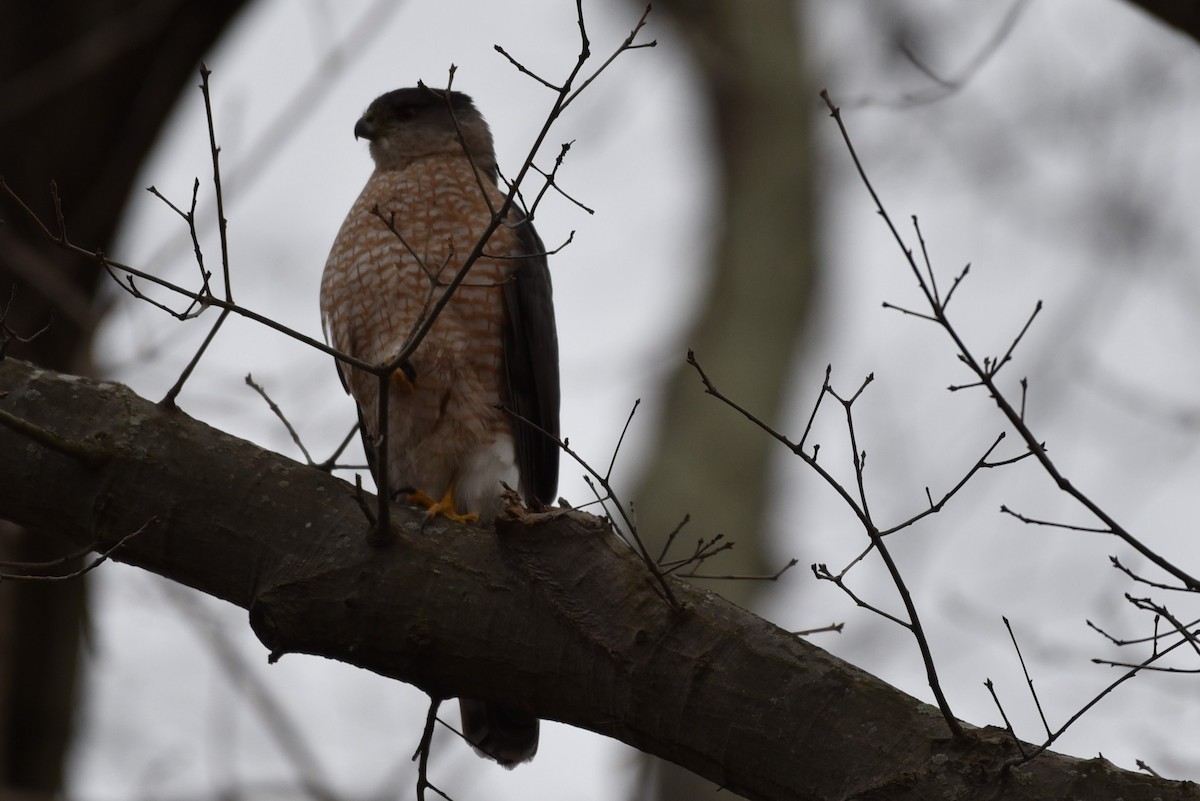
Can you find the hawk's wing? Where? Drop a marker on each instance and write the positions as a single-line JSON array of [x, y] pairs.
[[343, 371], [531, 365]]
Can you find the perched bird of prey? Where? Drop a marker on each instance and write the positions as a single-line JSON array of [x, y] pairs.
[[457, 412]]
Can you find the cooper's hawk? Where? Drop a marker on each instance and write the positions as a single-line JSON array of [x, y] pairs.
[[453, 439]]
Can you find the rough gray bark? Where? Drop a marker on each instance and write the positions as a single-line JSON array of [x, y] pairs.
[[550, 613]]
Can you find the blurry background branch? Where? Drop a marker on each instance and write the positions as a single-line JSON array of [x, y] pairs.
[[755, 304], [1182, 15], [85, 88]]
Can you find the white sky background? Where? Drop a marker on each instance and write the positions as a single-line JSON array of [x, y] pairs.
[[1064, 170]]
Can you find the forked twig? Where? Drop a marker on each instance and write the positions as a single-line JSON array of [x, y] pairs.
[[858, 505], [604, 481], [101, 558], [985, 372], [424, 748], [169, 399]]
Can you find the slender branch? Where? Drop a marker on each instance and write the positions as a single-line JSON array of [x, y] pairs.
[[202, 296], [823, 573], [944, 87], [169, 399], [934, 507], [1159, 610], [8, 334], [918, 631], [1158, 585], [628, 44], [630, 528], [89, 567], [861, 510], [330, 463], [671, 537], [282, 417], [991, 688], [834, 628], [770, 577], [381, 533], [1033, 521], [985, 373], [189, 217], [1028, 679], [1133, 671], [424, 748]]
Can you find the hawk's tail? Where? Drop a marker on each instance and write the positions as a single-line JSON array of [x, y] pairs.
[[508, 737]]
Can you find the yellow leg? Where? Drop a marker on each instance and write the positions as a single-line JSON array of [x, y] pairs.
[[401, 379], [445, 507]]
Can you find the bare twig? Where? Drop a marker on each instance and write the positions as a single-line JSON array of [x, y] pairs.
[[551, 183], [630, 43], [771, 577], [704, 549], [330, 463], [100, 559], [1028, 680], [1129, 674], [421, 755], [671, 538], [381, 533], [169, 399], [862, 511], [835, 628], [1033, 521], [282, 418], [1000, 707], [1160, 611], [823, 573], [114, 267], [189, 217], [1142, 580], [8, 334], [629, 530], [985, 373], [943, 86], [360, 496]]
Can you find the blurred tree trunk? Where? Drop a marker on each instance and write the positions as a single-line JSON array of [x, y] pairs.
[[1183, 15], [85, 86], [708, 462]]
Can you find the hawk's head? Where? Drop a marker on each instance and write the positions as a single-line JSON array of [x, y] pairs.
[[407, 124]]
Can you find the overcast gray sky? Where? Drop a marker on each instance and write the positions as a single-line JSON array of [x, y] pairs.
[[1063, 170]]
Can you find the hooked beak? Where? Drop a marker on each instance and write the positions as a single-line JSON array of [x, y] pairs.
[[364, 130]]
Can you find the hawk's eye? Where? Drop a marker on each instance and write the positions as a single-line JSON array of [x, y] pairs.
[[405, 113]]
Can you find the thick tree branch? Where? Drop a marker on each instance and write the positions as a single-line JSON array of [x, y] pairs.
[[550, 613]]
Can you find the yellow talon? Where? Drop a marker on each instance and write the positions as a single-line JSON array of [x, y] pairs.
[[445, 507], [407, 385]]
